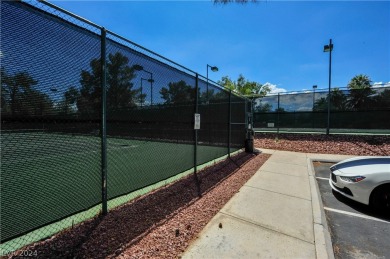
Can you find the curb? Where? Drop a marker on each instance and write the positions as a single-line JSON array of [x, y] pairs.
[[322, 239]]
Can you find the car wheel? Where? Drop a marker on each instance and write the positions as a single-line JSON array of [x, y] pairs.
[[380, 198]]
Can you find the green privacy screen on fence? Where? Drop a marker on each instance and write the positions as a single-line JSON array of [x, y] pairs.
[[351, 111], [58, 131]]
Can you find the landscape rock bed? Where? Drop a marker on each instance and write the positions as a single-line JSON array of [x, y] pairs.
[[160, 224], [375, 145]]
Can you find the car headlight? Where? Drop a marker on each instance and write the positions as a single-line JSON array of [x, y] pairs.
[[352, 179]]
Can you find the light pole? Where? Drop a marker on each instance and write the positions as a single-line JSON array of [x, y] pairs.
[[214, 69], [329, 48], [139, 68], [151, 86], [142, 98], [312, 113], [314, 94]]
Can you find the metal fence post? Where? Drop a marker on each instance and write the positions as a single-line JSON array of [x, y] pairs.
[[230, 122], [252, 111], [278, 113], [330, 79], [103, 121], [196, 137], [246, 114]]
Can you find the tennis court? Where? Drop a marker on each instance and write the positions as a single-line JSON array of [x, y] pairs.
[[56, 118], [46, 176]]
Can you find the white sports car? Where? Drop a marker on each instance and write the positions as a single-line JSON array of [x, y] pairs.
[[363, 179]]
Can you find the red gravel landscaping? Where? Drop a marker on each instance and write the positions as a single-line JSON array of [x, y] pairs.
[[358, 145], [163, 223], [158, 225]]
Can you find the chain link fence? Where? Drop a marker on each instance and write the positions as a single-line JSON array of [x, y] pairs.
[[351, 111], [70, 151]]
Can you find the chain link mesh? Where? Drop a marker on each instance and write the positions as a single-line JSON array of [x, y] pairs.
[[351, 110], [51, 115], [50, 155], [150, 132]]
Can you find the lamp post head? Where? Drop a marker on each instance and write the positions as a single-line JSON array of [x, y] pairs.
[[213, 68], [328, 48], [138, 67], [150, 80], [314, 86]]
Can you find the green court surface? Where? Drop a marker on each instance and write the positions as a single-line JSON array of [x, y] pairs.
[[47, 177]]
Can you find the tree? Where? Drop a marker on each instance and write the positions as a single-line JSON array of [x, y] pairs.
[[243, 86], [90, 92], [177, 92], [213, 96], [120, 93], [13, 88], [4, 92], [321, 104], [360, 90], [338, 100], [280, 110], [205, 96], [70, 99], [227, 83], [382, 101], [19, 96], [266, 107], [35, 103], [119, 87]]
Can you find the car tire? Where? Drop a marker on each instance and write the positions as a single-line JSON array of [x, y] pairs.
[[380, 198]]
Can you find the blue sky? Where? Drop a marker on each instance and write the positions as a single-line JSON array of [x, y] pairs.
[[271, 41]]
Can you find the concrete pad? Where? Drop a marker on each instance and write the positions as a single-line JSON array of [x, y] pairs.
[[240, 239], [285, 214], [293, 170], [289, 152], [266, 151], [281, 183], [286, 158], [329, 157]]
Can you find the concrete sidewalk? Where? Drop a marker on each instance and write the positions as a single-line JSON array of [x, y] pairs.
[[277, 213]]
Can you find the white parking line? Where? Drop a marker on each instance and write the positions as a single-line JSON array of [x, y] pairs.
[[322, 178], [356, 215]]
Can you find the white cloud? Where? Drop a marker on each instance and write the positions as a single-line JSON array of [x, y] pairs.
[[274, 88], [381, 84]]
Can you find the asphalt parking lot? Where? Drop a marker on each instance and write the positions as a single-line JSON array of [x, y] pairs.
[[356, 230]]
